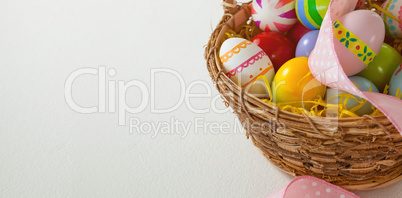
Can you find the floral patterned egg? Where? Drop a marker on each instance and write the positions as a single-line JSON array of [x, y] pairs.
[[358, 37], [393, 28], [274, 15], [247, 65]]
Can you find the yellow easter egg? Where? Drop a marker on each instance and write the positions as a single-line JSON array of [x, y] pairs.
[[294, 83]]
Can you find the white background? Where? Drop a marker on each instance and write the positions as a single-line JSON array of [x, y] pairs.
[[49, 150]]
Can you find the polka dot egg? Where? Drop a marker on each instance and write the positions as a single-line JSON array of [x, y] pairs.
[[247, 65], [274, 15], [393, 28]]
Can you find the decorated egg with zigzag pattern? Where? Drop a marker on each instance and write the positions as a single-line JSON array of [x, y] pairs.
[[247, 65], [274, 15]]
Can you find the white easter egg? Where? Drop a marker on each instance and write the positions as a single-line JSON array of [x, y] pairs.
[[247, 65]]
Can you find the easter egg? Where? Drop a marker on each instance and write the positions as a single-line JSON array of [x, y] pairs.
[[307, 44], [274, 15], [350, 101], [279, 48], [247, 65], [380, 70], [297, 32], [395, 85], [360, 4], [311, 12], [358, 37], [294, 83], [393, 27]]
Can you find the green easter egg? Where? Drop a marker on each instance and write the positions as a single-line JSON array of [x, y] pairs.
[[381, 69]]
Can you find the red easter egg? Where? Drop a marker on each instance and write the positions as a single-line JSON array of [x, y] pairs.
[[297, 32], [279, 48]]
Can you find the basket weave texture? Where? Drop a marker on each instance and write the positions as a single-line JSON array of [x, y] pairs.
[[354, 153]]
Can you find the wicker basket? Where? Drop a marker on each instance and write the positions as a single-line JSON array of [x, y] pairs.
[[354, 153]]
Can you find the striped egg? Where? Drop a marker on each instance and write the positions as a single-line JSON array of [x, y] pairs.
[[393, 28], [274, 15], [311, 12], [247, 65]]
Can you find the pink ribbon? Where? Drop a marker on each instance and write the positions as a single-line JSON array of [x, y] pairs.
[[325, 66], [311, 187]]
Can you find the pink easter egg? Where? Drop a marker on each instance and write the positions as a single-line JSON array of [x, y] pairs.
[[274, 15], [358, 37]]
